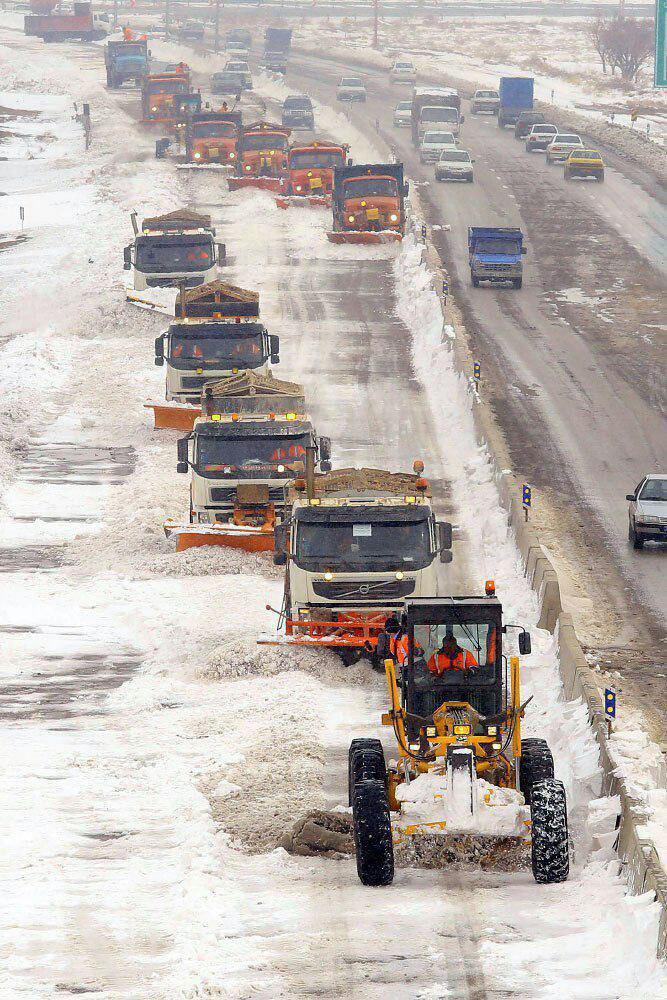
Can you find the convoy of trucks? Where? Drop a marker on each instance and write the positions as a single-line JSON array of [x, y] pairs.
[[81, 22], [368, 203]]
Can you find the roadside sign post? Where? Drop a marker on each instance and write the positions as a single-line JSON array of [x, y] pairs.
[[660, 71], [527, 498], [424, 233], [610, 707], [445, 288], [22, 215], [477, 374]]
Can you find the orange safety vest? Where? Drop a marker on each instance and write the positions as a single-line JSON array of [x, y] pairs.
[[440, 661], [398, 647]]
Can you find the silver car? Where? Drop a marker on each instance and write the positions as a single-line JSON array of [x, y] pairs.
[[433, 144], [351, 88], [403, 71], [647, 511], [541, 136], [403, 115], [454, 165]]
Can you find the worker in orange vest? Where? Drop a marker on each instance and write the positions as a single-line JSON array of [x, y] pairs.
[[451, 656]]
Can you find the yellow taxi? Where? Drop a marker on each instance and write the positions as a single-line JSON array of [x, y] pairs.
[[584, 163]]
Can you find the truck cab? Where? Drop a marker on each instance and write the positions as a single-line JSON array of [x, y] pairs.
[[213, 137], [440, 118], [126, 60], [369, 198], [173, 250], [157, 95], [264, 150], [515, 97], [495, 255], [433, 98], [197, 351], [236, 450], [360, 542], [311, 168]]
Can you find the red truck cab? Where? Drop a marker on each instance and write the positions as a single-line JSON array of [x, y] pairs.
[[213, 137], [368, 203], [157, 94], [264, 150], [311, 169]]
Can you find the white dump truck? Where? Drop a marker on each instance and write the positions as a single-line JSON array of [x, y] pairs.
[[172, 251]]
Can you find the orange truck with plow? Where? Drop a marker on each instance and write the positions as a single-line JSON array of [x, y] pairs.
[[252, 438], [157, 95], [262, 162], [310, 174], [368, 203], [212, 139], [216, 334], [357, 543]]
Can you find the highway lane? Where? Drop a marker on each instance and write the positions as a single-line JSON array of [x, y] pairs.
[[574, 359]]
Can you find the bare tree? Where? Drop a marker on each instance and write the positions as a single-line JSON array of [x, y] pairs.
[[628, 43], [597, 33]]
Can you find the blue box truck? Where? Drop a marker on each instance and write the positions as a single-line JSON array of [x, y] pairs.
[[495, 254], [516, 95]]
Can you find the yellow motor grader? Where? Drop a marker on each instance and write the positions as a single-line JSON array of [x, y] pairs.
[[462, 769]]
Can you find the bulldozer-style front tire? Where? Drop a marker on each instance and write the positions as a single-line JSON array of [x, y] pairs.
[[365, 762], [550, 854], [372, 833], [537, 763]]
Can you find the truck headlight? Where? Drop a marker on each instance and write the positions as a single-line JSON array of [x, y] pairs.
[[232, 156], [153, 109], [298, 187], [350, 218], [247, 166], [197, 156], [328, 576], [393, 218], [399, 575]]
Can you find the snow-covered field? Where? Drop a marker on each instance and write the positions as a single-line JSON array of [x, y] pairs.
[[153, 753]]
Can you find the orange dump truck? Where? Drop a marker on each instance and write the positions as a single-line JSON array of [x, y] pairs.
[[212, 138], [310, 174], [368, 203], [157, 94], [263, 157]]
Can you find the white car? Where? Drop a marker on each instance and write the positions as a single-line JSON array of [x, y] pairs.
[[403, 115], [351, 88], [403, 71], [540, 136], [561, 147], [242, 69], [433, 144], [485, 101], [647, 511], [454, 165]]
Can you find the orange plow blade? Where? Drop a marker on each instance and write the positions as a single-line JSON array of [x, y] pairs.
[[385, 236], [192, 536], [352, 630], [263, 183], [173, 416], [307, 201]]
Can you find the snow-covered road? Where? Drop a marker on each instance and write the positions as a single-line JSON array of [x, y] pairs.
[[152, 753]]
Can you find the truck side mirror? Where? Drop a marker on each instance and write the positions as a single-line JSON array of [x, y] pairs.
[[462, 118], [444, 535], [325, 449], [446, 556], [127, 258], [524, 250], [161, 147], [182, 452], [281, 535], [222, 252], [350, 161], [159, 350], [524, 643], [274, 348], [406, 189]]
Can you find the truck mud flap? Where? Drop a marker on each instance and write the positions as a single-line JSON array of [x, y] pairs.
[[171, 416], [192, 536], [261, 183], [386, 236]]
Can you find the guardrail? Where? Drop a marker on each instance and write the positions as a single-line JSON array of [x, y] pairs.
[[639, 858]]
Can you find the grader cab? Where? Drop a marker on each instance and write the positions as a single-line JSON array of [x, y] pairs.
[[463, 770]]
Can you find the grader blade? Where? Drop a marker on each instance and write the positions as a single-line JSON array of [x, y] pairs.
[[192, 536], [386, 236], [172, 416]]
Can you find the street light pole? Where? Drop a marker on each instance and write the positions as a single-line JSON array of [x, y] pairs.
[[375, 24], [216, 43], [167, 18]]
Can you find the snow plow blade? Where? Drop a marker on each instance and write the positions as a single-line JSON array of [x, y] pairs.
[[170, 416], [353, 630], [262, 183], [386, 236], [428, 845], [226, 167], [144, 303], [308, 201], [248, 538]]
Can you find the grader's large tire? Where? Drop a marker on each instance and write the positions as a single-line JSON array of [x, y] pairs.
[[365, 760], [550, 854], [537, 763], [372, 833]]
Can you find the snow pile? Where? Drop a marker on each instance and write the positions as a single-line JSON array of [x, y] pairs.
[[431, 798]]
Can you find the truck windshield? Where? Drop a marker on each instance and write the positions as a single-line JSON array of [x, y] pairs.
[[439, 115], [265, 141], [367, 187], [298, 104], [222, 352], [250, 457], [497, 246], [213, 130], [131, 49], [316, 158], [167, 87], [377, 546], [161, 255], [442, 652]]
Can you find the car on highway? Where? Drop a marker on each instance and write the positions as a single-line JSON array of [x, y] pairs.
[[647, 511], [297, 112], [403, 71], [454, 165], [433, 144], [584, 163], [191, 31], [525, 122], [485, 102], [243, 70], [351, 88], [562, 145], [226, 83], [403, 114], [540, 136]]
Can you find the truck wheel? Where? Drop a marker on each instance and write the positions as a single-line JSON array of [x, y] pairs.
[[365, 762], [637, 540], [537, 764], [475, 282], [550, 856], [372, 833], [517, 282]]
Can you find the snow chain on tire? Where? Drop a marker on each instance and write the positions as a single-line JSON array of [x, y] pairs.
[[372, 833], [550, 847], [365, 761], [537, 764]]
